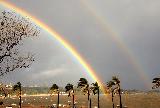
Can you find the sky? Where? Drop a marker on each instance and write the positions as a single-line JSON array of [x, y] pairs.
[[115, 37]]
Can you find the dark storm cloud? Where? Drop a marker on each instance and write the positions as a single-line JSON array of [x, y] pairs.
[[137, 23]]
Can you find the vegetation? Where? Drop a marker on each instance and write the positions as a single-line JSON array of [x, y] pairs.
[[3, 90], [117, 83], [95, 89], [14, 30], [133, 100], [113, 86], [83, 84], [35, 90], [156, 83], [55, 89], [110, 88], [69, 88], [18, 88]]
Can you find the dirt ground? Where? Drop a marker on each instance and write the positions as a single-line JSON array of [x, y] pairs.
[[141, 100]]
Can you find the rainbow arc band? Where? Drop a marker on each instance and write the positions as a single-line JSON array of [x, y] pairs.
[[107, 27], [58, 37]]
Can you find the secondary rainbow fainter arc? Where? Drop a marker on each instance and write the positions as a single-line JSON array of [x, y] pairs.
[[59, 38], [119, 41]]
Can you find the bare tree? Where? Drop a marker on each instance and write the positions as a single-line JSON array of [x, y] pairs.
[[14, 29]]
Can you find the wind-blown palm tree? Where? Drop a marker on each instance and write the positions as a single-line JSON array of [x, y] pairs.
[[110, 87], [55, 89], [83, 84], [69, 88], [156, 83], [117, 82], [95, 90], [18, 87]]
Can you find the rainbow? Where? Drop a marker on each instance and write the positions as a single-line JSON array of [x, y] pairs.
[[59, 38], [121, 43]]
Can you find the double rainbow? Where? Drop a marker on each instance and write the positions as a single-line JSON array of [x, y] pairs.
[[59, 38]]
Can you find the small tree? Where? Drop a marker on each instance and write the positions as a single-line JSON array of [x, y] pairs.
[[156, 83], [83, 84], [3, 89], [55, 89], [69, 88], [18, 88], [95, 90], [14, 29]]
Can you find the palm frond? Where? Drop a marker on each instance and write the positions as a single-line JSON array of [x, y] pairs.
[[95, 88], [17, 86], [69, 88], [156, 83], [83, 84], [54, 89], [116, 80]]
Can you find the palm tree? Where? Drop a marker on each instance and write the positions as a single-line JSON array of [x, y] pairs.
[[156, 83], [18, 87], [83, 84], [110, 85], [55, 89], [69, 88], [117, 82], [95, 90]]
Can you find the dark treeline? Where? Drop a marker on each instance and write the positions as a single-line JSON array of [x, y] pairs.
[[44, 90]]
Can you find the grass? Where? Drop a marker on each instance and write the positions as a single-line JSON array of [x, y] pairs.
[[141, 100]]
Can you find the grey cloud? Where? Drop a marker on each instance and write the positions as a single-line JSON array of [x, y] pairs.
[[135, 22]]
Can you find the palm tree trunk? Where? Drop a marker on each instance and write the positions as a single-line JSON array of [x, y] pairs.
[[112, 100], [98, 99], [73, 99], [90, 103], [120, 99], [58, 101], [88, 95], [20, 105]]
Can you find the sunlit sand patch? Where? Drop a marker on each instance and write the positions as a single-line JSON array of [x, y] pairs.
[[14, 104]]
